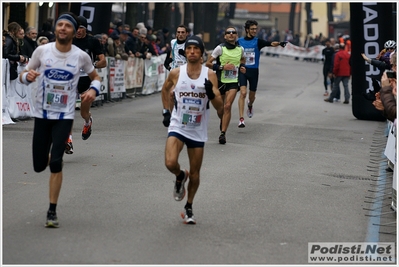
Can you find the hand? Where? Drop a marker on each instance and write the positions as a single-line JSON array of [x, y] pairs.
[[88, 96], [166, 118], [283, 44], [167, 62], [378, 105], [228, 66], [32, 74], [385, 80], [182, 52], [209, 89]]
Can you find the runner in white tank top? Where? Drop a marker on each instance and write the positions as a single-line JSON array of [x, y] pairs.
[[191, 112], [194, 87]]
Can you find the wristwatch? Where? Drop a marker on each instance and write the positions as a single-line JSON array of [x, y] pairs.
[[221, 67], [165, 110]]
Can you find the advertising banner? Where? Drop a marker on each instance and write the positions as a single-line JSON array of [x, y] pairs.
[[371, 26]]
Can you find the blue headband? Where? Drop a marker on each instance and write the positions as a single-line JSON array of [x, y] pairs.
[[70, 19]]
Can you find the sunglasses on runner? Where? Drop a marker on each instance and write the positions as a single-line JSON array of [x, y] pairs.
[[231, 32]]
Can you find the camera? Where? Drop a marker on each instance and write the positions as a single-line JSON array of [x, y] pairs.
[[391, 74]]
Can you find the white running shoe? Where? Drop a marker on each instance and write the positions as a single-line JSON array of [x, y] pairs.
[[188, 217], [241, 123]]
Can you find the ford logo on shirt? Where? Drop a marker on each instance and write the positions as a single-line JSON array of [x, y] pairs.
[[58, 74]]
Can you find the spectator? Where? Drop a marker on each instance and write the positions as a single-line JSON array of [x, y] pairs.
[[152, 39], [42, 40], [130, 45], [111, 28], [149, 30], [348, 43], [104, 43], [342, 73], [331, 76], [47, 31], [386, 97], [119, 48], [29, 42], [327, 52], [165, 38], [11, 49], [118, 29], [382, 61]]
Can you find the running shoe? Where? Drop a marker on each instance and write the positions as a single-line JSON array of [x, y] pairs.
[[86, 132], [250, 111], [179, 191], [69, 147], [188, 217], [222, 138], [241, 123], [52, 220]]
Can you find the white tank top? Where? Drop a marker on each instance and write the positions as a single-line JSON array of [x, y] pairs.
[[190, 118]]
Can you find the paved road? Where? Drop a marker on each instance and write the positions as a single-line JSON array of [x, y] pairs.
[[296, 174]]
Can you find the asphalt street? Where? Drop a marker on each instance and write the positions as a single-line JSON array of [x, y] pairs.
[[297, 173]]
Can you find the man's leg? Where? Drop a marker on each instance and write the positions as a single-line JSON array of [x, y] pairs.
[[55, 186], [86, 115], [230, 96], [241, 100], [345, 81], [229, 99], [195, 156], [241, 105], [172, 150], [60, 132], [85, 111], [83, 85], [251, 97], [253, 86]]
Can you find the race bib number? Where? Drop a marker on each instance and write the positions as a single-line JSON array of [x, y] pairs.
[[56, 98], [191, 112], [249, 58], [231, 74]]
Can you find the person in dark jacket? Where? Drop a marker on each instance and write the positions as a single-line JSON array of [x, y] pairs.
[[29, 44], [382, 61], [386, 97], [11, 50], [47, 31]]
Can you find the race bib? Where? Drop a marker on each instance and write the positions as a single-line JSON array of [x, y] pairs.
[[56, 97], [191, 113], [249, 58], [231, 74]]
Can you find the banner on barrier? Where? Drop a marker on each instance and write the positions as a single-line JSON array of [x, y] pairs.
[[151, 76], [134, 73], [116, 77], [161, 72], [313, 52], [5, 78]]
